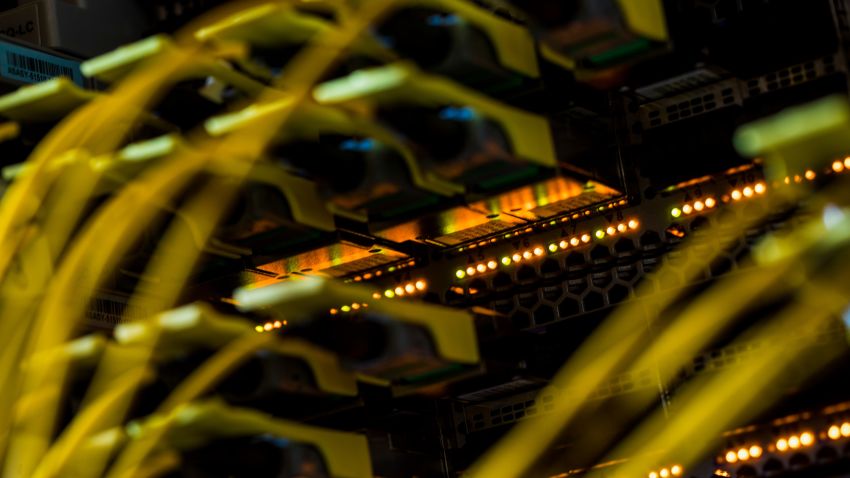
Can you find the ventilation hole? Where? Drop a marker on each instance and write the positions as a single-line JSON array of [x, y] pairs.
[[528, 301], [552, 293], [568, 308], [544, 314], [649, 239], [746, 471], [798, 460], [601, 280], [600, 253], [617, 294], [772, 466], [550, 267], [502, 280], [624, 246], [526, 274], [698, 223], [575, 260], [521, 320], [593, 301], [826, 454], [576, 286], [627, 273]]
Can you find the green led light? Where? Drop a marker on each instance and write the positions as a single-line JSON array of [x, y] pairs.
[[460, 274], [345, 308], [389, 294], [600, 234], [676, 212], [553, 247], [506, 261]]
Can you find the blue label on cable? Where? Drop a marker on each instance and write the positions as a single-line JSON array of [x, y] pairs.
[[33, 66]]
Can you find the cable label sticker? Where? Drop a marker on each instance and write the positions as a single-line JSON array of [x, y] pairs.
[[32, 66]]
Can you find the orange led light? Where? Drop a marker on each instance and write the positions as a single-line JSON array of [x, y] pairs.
[[687, 209], [731, 457], [794, 442], [760, 188], [410, 288], [834, 432], [492, 265], [748, 192], [755, 451], [736, 195], [710, 202], [837, 166]]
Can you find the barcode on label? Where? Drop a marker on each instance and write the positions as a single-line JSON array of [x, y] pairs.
[[43, 68], [30, 65]]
